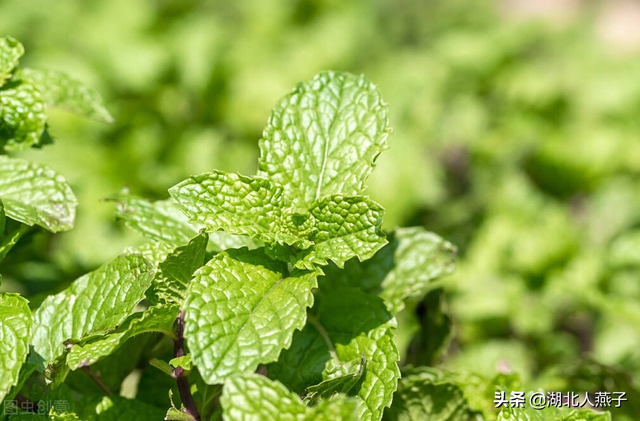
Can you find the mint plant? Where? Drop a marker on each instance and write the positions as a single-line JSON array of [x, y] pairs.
[[301, 212], [30, 194], [271, 296]]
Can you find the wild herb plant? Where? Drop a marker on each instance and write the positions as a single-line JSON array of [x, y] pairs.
[[277, 294]]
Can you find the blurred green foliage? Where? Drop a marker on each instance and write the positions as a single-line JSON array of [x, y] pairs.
[[517, 140]]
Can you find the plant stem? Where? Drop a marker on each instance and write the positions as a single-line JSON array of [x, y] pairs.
[[11, 238], [97, 380], [178, 372], [325, 336]]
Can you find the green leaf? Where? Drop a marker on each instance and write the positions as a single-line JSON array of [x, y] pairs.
[[207, 400], [184, 362], [175, 272], [113, 368], [159, 221], [60, 90], [10, 52], [340, 379], [235, 204], [11, 238], [420, 257], [36, 195], [324, 137], [174, 414], [422, 396], [162, 221], [15, 330], [345, 325], [339, 227], [253, 397], [97, 301], [94, 347], [241, 310], [435, 330], [404, 268], [346, 227], [22, 116], [338, 408]]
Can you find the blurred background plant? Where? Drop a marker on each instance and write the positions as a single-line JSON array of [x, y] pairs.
[[515, 137]]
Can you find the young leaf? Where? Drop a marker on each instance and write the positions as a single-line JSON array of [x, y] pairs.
[[323, 138], [345, 325], [422, 396], [241, 310], [346, 227], [35, 194], [10, 52], [175, 272], [15, 331], [402, 269], [234, 203], [92, 348], [184, 362], [62, 91], [254, 397], [174, 414], [97, 301], [158, 221], [22, 116]]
